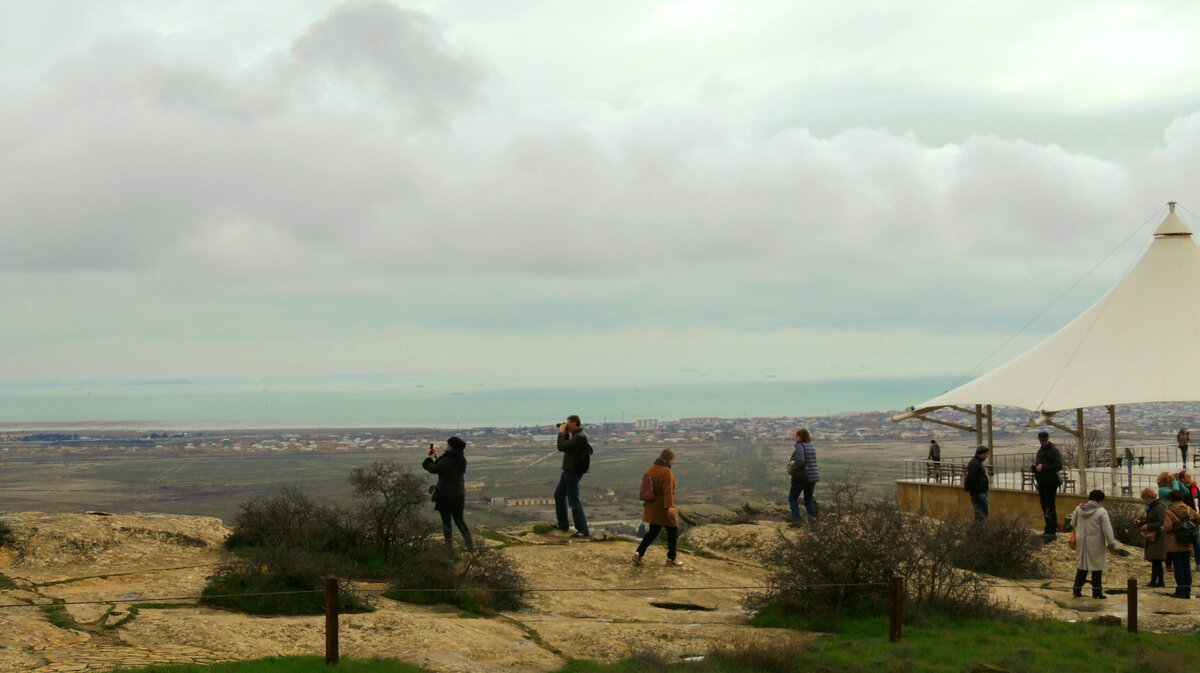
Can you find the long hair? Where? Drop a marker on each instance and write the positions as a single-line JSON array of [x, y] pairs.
[[1165, 479], [667, 456], [802, 435]]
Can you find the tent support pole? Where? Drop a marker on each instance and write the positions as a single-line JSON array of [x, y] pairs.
[[978, 425], [1082, 451], [1112, 432], [991, 449]]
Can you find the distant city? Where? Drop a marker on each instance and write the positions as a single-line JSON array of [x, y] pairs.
[[1134, 421]]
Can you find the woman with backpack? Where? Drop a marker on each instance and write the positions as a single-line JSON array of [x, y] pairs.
[[1180, 538], [803, 467], [658, 507]]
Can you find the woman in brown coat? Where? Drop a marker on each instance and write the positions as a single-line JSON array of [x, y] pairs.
[[1177, 551], [1156, 545], [660, 512]]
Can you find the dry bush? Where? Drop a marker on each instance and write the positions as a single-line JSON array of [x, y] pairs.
[[1123, 516], [767, 657], [1002, 546], [485, 581], [843, 564]]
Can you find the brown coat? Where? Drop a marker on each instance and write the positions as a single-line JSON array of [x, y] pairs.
[[655, 512], [1176, 513]]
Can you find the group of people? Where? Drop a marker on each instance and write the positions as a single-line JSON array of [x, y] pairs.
[[1168, 530], [657, 492], [1047, 466]]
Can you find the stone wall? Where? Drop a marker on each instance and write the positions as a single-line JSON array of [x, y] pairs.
[[944, 501]]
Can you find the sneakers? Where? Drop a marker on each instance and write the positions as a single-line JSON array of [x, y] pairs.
[[578, 536], [673, 563], [637, 559]]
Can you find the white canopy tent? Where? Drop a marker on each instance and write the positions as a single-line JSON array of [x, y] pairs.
[[1138, 343]]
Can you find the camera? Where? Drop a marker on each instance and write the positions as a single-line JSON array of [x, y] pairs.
[[558, 425]]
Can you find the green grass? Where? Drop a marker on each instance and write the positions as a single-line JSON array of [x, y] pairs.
[[6, 582], [947, 645], [58, 616], [287, 665]]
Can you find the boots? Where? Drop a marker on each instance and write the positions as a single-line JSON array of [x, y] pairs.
[[1077, 589], [1097, 584]]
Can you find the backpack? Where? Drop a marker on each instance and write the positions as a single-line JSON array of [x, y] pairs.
[[646, 493], [1185, 532]]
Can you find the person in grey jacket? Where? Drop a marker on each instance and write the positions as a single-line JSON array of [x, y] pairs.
[[450, 494], [976, 483], [804, 476], [577, 459], [1093, 535]]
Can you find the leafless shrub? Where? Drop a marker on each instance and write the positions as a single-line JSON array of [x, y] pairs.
[[1002, 546]]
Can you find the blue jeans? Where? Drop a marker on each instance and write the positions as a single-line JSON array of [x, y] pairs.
[[810, 505], [568, 491], [980, 504], [1183, 573]]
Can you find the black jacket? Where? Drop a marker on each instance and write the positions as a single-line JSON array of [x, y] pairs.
[[450, 468], [976, 480], [577, 453], [1050, 459]]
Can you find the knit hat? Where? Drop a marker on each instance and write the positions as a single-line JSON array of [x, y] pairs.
[[456, 443], [980, 450]]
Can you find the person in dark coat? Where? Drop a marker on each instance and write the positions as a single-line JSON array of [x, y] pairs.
[[450, 494], [804, 476], [660, 512], [1046, 466], [577, 459], [976, 483], [1156, 543], [935, 451]]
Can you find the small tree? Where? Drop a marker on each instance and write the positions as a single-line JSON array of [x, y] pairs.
[[390, 502], [1098, 452]]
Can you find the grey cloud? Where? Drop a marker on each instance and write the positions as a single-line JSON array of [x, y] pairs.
[[403, 49]]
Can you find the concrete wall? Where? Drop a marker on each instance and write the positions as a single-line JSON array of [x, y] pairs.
[[945, 501]]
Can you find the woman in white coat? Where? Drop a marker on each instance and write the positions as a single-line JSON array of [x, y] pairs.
[[1093, 534]]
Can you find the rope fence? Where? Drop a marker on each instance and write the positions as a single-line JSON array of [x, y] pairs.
[[333, 588]]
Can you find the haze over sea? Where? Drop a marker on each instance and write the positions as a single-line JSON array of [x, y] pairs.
[[295, 403]]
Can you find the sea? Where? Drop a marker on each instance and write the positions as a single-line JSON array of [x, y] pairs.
[[247, 404]]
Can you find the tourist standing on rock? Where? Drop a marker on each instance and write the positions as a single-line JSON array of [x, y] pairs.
[[577, 458], [1156, 543], [935, 451], [1181, 438], [1179, 549], [1046, 466], [1093, 534], [660, 511], [976, 483], [804, 476], [450, 494]]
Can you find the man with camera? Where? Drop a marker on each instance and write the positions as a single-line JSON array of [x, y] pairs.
[[1046, 466], [577, 458]]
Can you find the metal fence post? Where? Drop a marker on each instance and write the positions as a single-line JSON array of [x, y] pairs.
[[1131, 620], [331, 620], [895, 601]]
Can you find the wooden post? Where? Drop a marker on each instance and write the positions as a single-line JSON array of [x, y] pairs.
[[331, 620], [1131, 620], [895, 613], [978, 425], [1112, 432], [991, 447]]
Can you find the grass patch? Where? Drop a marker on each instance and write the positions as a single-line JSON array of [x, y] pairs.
[[6, 582], [58, 616], [543, 528], [286, 665], [497, 536], [943, 645], [6, 532]]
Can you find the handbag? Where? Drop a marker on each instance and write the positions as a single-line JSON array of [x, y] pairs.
[[1071, 540]]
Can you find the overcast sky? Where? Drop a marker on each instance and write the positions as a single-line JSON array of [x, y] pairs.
[[550, 193]]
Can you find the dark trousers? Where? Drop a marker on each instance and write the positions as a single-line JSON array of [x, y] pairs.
[[568, 492], [652, 534], [1156, 574], [457, 515], [1046, 493], [1183, 452], [1183, 573], [979, 502], [1097, 582], [804, 488]]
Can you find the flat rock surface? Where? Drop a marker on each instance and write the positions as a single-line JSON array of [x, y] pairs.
[[591, 601]]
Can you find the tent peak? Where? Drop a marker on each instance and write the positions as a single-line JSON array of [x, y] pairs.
[[1172, 225]]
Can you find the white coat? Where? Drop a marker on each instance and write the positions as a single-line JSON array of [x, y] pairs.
[[1093, 535]]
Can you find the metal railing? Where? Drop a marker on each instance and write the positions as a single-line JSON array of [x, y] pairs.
[[1136, 468]]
